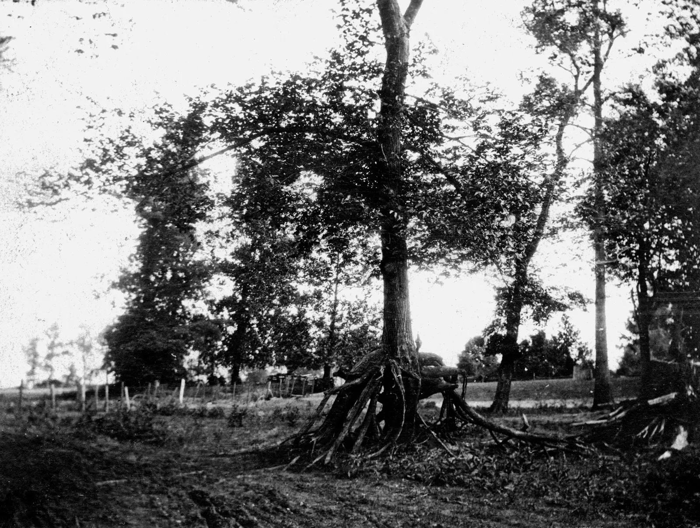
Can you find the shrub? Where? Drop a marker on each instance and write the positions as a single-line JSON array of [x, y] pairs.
[[203, 411], [126, 426], [289, 413], [235, 418]]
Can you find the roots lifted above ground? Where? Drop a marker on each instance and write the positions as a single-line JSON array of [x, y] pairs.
[[378, 410]]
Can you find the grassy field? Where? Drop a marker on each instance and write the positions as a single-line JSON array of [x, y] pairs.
[[552, 391]]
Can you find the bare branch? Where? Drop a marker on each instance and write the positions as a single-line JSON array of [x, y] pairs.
[[411, 12]]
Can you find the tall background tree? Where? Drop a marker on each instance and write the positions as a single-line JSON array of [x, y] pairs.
[[151, 339], [649, 181], [580, 37]]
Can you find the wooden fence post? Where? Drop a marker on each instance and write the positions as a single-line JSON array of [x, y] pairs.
[[182, 391], [106, 391], [81, 395], [53, 397], [126, 398], [21, 396], [156, 386]]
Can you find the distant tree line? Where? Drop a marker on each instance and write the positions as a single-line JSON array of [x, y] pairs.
[[539, 356]]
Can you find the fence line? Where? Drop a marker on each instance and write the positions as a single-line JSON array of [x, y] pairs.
[[87, 398]]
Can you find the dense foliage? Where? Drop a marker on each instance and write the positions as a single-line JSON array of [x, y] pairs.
[[151, 339]]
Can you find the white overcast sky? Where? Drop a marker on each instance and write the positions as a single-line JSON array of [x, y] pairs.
[[69, 57]]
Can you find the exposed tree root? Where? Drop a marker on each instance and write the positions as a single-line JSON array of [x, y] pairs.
[[358, 417], [345, 425], [466, 413], [377, 409]]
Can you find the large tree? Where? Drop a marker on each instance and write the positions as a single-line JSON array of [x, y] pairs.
[[327, 125], [347, 124], [151, 339], [259, 257]]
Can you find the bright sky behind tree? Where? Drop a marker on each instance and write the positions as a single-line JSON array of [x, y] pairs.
[[69, 58]]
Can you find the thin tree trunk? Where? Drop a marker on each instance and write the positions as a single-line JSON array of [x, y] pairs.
[[330, 346], [602, 392], [644, 310], [235, 373], [234, 350], [514, 305]]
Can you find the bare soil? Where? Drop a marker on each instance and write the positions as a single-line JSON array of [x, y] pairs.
[[194, 469]]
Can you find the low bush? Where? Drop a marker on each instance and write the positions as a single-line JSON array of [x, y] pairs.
[[140, 425], [235, 417], [289, 413]]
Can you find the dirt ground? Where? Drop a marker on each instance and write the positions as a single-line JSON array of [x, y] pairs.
[[195, 469]]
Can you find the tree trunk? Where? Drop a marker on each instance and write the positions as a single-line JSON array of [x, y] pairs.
[[644, 311], [501, 399], [509, 349], [392, 377], [234, 350], [235, 373], [602, 392], [330, 345], [514, 307], [400, 403]]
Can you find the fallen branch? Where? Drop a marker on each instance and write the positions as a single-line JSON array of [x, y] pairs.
[[442, 444], [663, 399]]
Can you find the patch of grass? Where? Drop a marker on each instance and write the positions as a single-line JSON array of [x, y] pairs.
[[552, 390]]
